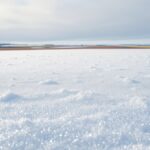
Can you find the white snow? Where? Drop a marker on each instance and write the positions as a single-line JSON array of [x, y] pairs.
[[75, 100]]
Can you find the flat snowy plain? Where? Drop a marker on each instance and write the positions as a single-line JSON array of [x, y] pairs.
[[75, 100]]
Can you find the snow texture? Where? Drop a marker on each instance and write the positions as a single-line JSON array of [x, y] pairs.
[[75, 100]]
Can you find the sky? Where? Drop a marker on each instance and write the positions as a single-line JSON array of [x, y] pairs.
[[54, 20]]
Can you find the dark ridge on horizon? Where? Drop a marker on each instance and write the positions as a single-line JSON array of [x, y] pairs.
[[9, 46]]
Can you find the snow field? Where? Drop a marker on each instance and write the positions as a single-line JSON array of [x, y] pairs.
[[69, 100]]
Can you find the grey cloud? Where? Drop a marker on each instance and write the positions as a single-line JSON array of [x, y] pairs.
[[75, 19]]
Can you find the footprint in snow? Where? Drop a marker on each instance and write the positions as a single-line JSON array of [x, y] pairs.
[[135, 81]]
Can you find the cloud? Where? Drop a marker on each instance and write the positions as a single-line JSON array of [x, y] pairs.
[[73, 19]]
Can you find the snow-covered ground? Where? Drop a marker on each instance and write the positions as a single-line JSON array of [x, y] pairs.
[[75, 100]]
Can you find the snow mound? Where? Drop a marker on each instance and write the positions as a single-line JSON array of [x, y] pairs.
[[9, 97], [87, 97], [48, 82], [137, 102], [61, 93], [65, 92]]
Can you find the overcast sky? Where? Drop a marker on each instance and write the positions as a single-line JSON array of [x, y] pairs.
[[46, 20]]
